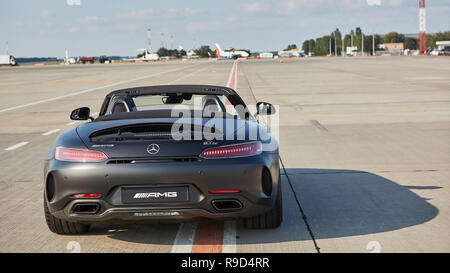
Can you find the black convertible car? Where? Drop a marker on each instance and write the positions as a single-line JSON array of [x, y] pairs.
[[164, 153]]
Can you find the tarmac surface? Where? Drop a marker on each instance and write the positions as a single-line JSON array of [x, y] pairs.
[[365, 143]]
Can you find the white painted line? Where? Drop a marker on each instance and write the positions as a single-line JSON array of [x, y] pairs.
[[229, 237], [236, 77], [51, 132], [229, 228], [93, 89], [230, 78], [72, 123], [18, 145], [184, 239]]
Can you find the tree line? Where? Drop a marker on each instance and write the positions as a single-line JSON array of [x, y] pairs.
[[203, 52], [321, 46]]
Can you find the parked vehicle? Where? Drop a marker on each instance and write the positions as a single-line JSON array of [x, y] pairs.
[[162, 168], [87, 60], [8, 60], [104, 59]]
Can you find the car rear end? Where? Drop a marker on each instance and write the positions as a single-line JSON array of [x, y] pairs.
[[92, 175]]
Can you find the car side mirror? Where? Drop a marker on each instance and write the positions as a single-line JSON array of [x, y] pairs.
[[81, 114], [265, 108]]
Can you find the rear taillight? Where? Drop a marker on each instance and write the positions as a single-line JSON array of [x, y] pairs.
[[240, 150], [87, 195], [224, 191], [67, 154]]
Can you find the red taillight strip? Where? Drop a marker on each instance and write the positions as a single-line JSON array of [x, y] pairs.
[[246, 149], [224, 191], [75, 155], [87, 195]]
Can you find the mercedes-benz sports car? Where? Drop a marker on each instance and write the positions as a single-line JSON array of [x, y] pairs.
[[164, 153]]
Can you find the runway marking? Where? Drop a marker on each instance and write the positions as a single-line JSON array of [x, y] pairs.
[[217, 237], [18, 145], [184, 238], [94, 89], [51, 132], [232, 77], [229, 237], [209, 238]]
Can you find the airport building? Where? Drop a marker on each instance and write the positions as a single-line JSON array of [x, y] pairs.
[[392, 47]]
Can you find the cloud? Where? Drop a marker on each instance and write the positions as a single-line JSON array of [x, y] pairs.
[[74, 29], [395, 3], [126, 27], [45, 13], [373, 2], [142, 14], [256, 8], [188, 12], [90, 19]]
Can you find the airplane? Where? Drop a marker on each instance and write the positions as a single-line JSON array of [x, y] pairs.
[[291, 53], [146, 56], [230, 53], [191, 54], [69, 60]]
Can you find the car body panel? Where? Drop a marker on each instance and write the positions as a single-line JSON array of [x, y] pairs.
[[177, 164]]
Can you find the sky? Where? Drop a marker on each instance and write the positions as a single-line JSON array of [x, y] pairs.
[[46, 28]]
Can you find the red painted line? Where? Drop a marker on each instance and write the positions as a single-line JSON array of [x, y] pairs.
[[209, 235], [209, 238], [232, 85]]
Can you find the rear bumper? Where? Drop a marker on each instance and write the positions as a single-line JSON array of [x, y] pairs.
[[201, 176]]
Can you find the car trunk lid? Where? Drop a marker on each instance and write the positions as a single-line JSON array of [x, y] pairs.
[[152, 138]]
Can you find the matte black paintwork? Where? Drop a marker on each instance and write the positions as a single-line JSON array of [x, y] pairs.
[[177, 164]]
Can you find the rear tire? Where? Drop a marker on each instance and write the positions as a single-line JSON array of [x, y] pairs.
[[60, 226], [270, 219]]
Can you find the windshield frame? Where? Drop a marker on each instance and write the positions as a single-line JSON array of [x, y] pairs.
[[127, 95]]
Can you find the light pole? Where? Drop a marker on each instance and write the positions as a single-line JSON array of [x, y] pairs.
[[330, 45], [362, 44], [149, 41], [335, 45], [373, 44]]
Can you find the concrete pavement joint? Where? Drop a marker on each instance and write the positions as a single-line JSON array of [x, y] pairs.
[[305, 219]]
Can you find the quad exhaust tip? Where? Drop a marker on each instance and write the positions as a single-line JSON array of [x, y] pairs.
[[227, 205]]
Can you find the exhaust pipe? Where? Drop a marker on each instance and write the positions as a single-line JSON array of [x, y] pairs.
[[227, 205], [86, 208]]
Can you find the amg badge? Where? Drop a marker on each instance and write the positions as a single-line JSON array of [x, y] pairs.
[[170, 194]]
